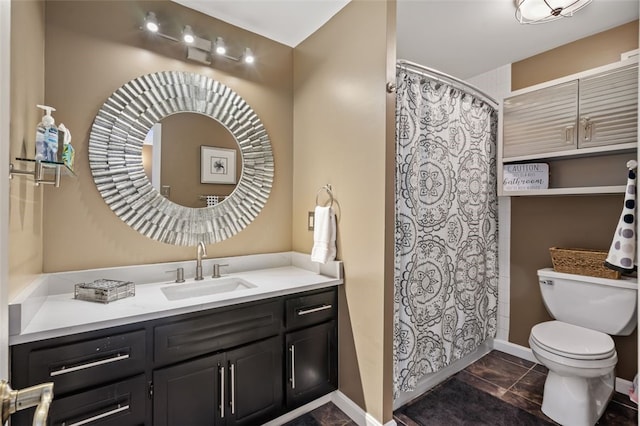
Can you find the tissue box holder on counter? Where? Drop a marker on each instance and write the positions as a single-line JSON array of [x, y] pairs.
[[582, 262], [104, 291]]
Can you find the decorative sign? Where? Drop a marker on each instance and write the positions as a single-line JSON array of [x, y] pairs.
[[522, 177]]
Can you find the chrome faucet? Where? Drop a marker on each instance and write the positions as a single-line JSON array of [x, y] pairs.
[[202, 252]]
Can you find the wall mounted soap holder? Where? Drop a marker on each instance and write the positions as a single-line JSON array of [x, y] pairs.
[[41, 171]]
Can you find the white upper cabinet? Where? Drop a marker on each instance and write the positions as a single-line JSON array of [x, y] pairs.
[[585, 111], [609, 108]]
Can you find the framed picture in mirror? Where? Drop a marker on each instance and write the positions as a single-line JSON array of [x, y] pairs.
[[217, 165]]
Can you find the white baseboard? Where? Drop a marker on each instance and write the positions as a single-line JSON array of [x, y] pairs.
[[622, 385], [514, 349], [354, 411]]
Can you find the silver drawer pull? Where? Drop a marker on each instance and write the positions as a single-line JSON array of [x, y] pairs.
[[312, 310], [222, 398], [65, 370], [99, 416], [292, 349]]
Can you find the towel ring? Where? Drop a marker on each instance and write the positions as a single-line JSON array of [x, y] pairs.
[[327, 189]]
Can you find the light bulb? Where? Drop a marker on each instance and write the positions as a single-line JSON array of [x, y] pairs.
[[151, 22], [221, 49], [187, 34], [248, 57]]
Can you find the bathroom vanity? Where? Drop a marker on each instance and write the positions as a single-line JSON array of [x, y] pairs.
[[244, 358]]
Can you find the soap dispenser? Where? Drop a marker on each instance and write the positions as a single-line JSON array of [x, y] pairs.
[[47, 136]]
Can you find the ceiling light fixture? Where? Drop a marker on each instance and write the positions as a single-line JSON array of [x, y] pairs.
[[187, 35], [151, 22], [541, 11]]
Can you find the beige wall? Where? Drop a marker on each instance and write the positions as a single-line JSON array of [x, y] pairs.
[[343, 133], [590, 52], [538, 223], [95, 47], [182, 137], [27, 90]]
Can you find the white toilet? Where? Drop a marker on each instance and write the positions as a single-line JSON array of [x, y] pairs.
[[577, 348]]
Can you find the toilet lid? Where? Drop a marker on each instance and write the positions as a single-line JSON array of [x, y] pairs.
[[572, 341]]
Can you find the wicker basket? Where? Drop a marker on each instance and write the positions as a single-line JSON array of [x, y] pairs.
[[582, 262]]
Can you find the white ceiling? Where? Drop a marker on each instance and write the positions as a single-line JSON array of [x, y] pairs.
[[460, 37]]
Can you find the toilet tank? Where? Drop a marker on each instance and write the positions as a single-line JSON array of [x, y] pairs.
[[601, 304]]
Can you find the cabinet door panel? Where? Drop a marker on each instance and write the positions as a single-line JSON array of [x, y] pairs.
[[312, 363], [189, 394], [255, 379], [609, 108], [541, 121]]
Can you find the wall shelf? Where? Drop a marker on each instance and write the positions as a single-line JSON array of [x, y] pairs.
[[43, 172], [575, 153], [585, 190]]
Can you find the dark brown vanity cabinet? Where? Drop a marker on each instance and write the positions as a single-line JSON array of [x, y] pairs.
[[238, 365]]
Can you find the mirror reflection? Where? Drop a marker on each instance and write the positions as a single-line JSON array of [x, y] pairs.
[[192, 159]]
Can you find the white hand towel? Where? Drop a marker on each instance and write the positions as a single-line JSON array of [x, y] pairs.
[[324, 235], [623, 248]]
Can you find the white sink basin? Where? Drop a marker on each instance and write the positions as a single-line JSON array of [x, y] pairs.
[[205, 288]]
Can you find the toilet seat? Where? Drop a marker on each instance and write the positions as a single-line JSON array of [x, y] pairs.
[[572, 341]]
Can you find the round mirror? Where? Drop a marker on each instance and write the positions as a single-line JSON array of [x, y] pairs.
[[116, 144]]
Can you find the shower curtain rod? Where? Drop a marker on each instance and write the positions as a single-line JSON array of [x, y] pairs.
[[430, 72]]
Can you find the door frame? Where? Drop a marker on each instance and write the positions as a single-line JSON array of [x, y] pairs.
[[5, 108]]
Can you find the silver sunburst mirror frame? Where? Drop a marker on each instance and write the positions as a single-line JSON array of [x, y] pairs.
[[115, 157]]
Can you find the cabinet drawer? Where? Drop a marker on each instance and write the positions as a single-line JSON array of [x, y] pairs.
[[311, 309], [213, 332], [87, 363], [122, 403]]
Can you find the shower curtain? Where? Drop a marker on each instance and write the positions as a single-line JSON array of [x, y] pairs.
[[446, 237]]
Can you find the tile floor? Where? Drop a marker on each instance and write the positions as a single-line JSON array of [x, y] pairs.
[[514, 381]]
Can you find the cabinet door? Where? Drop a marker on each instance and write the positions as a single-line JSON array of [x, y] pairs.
[[255, 382], [312, 363], [190, 393], [541, 121], [609, 108]]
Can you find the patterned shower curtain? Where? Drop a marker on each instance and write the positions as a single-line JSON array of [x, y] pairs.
[[446, 238]]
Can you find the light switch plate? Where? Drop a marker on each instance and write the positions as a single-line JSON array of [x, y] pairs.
[[310, 221]]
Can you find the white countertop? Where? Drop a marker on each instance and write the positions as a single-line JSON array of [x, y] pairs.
[[53, 312]]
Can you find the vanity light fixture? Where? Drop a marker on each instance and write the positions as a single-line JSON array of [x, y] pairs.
[[221, 48], [247, 56], [151, 22], [198, 49], [187, 35], [541, 11]]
